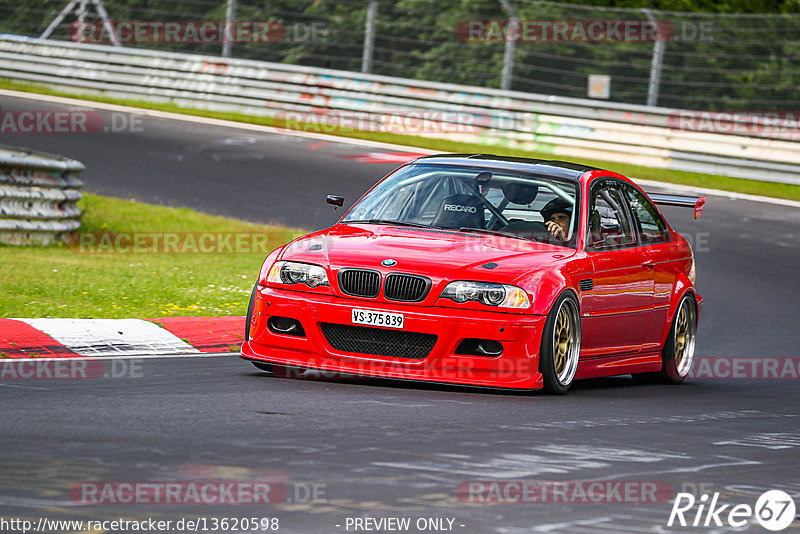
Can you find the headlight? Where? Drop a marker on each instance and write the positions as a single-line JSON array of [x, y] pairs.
[[499, 295], [692, 272], [292, 272]]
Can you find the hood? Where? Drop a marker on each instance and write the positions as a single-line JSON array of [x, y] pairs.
[[438, 254]]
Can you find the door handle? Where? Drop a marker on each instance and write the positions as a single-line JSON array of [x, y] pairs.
[[649, 264]]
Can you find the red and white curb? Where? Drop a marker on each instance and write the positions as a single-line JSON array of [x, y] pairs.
[[48, 338]]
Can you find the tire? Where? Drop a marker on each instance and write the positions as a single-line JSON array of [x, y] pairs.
[[249, 318], [561, 344], [677, 355], [261, 366]]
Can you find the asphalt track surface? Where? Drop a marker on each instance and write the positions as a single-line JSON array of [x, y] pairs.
[[388, 449]]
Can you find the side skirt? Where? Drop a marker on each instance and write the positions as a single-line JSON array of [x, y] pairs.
[[619, 365]]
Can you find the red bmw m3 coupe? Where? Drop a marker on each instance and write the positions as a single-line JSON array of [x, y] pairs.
[[485, 271]]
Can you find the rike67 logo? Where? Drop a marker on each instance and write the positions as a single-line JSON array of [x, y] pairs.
[[774, 510]]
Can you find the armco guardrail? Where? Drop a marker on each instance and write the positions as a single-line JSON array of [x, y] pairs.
[[38, 196], [564, 127]]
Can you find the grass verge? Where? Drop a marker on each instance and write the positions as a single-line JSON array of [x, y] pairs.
[[61, 281], [753, 187]]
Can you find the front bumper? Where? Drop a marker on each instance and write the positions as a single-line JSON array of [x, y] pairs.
[[517, 367]]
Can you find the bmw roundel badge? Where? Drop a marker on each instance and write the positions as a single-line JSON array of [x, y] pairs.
[[389, 262]]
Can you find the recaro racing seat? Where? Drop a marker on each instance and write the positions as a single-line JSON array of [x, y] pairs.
[[457, 211]]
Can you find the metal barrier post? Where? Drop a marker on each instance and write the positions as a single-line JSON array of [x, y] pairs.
[[230, 14], [511, 44], [656, 63], [369, 36]]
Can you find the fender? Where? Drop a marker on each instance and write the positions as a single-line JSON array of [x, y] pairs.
[[535, 344], [546, 287], [681, 289]]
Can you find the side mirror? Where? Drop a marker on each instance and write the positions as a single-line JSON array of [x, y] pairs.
[[335, 200]]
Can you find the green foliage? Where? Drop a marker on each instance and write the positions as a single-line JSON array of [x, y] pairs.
[[749, 58]]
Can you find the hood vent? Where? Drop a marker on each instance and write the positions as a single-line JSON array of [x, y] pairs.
[[429, 230]]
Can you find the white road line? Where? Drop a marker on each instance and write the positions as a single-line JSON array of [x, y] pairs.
[[25, 502], [125, 357], [772, 440], [7, 385], [570, 526], [736, 462]]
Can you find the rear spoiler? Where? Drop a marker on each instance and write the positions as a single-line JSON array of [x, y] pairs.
[[698, 203]]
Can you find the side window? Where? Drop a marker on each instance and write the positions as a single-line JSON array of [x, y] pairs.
[[654, 229], [610, 224]]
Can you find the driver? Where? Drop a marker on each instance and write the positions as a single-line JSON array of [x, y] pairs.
[[557, 215]]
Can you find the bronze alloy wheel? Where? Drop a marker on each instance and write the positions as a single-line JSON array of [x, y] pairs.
[[562, 341], [684, 337], [560, 346]]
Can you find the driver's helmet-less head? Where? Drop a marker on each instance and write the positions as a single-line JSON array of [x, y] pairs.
[[557, 205]]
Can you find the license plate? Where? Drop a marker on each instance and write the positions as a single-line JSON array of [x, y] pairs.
[[378, 318]]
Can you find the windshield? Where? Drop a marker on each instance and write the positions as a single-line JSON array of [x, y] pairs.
[[471, 199]]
